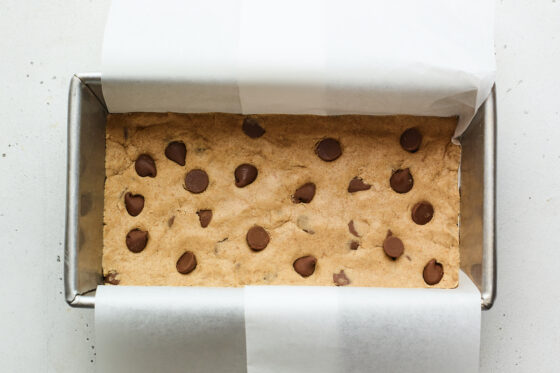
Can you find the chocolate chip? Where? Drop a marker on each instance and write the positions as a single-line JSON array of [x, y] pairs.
[[422, 212], [125, 133], [433, 272], [411, 140], [328, 149], [340, 279], [245, 174], [304, 194], [204, 216], [357, 185], [352, 229], [134, 203], [252, 128], [401, 181], [171, 221], [305, 265], [393, 246], [257, 238], [145, 166], [186, 263], [136, 240], [196, 181], [111, 278], [354, 245], [176, 151]]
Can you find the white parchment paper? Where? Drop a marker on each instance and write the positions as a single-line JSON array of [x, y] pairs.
[[330, 329], [169, 329], [287, 329], [432, 57]]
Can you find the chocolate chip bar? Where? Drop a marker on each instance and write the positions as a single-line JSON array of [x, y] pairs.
[[232, 200]]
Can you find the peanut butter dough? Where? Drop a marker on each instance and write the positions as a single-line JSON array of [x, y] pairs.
[[350, 180]]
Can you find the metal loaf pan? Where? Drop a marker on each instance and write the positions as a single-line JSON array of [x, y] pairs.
[[87, 114]]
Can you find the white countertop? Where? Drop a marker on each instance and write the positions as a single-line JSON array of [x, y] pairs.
[[44, 43]]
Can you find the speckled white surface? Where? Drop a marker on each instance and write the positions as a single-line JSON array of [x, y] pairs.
[[43, 43]]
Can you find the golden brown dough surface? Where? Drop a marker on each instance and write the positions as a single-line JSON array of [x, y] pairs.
[[285, 159]]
